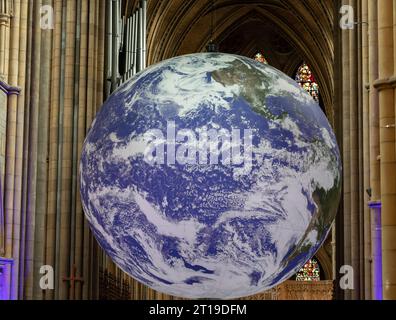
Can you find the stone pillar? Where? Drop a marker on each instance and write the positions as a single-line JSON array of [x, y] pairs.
[[12, 221], [389, 225], [81, 129], [60, 72], [376, 249], [338, 241], [5, 13], [2, 251], [76, 78], [42, 157], [11, 131], [375, 186], [366, 256], [50, 244], [87, 237], [346, 149], [65, 151], [354, 156], [5, 276], [18, 224], [6, 92], [32, 251], [387, 146]]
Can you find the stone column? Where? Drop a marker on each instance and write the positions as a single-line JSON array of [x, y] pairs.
[[50, 245], [11, 234], [42, 157], [346, 149], [387, 146], [389, 233], [5, 275], [62, 81], [81, 129], [354, 155], [66, 151], [31, 155], [375, 181], [11, 131], [366, 153], [376, 249], [91, 43], [76, 78], [18, 225], [5, 14], [4, 57]]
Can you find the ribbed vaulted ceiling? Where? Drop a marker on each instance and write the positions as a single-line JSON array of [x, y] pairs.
[[289, 30]]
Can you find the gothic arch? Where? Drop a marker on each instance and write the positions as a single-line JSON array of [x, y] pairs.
[[184, 27], [325, 261]]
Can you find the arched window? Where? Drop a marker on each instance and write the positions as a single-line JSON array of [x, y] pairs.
[[307, 81], [310, 271], [260, 58]]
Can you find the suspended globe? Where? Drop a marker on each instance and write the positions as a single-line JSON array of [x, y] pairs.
[[210, 176]]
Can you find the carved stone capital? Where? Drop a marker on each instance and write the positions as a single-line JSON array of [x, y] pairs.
[[9, 90], [393, 81], [4, 19], [386, 83]]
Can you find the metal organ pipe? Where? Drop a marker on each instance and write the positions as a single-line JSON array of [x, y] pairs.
[[133, 28], [109, 44], [115, 51], [134, 44], [140, 40], [144, 37], [127, 51], [131, 41]]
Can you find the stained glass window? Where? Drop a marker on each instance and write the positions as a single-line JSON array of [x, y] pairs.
[[310, 271], [307, 81], [260, 58]]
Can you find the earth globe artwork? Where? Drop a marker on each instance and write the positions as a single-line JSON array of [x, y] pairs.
[[210, 176]]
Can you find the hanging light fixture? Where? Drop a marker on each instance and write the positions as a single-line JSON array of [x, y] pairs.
[[212, 46]]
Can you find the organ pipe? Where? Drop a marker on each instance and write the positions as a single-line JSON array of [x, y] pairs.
[[135, 42], [128, 49], [127, 35], [109, 42], [115, 50], [144, 37]]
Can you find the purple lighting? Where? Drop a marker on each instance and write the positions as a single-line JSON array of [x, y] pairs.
[[5, 276], [9, 90], [376, 247]]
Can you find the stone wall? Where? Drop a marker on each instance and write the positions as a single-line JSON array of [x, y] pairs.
[[298, 290], [3, 119]]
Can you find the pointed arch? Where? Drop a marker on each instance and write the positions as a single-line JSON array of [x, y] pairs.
[[184, 27], [306, 79], [311, 271]]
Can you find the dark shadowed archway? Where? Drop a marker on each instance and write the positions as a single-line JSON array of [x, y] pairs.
[[289, 31]]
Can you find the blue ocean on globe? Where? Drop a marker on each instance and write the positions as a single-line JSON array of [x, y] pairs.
[[210, 176]]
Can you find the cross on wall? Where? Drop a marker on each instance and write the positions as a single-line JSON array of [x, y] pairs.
[[72, 279]]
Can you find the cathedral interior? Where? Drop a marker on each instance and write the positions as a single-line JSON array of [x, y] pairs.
[[61, 59]]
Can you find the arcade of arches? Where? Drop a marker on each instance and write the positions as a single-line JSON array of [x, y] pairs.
[[53, 81]]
